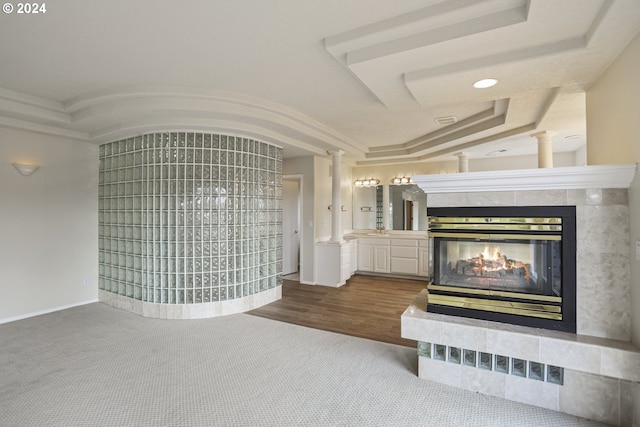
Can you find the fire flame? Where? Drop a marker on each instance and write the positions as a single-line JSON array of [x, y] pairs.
[[498, 261]]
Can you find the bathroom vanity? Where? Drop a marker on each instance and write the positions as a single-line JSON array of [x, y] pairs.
[[394, 254]]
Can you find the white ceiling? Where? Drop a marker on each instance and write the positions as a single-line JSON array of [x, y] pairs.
[[366, 76]]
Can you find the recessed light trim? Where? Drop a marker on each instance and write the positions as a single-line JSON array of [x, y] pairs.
[[485, 83]]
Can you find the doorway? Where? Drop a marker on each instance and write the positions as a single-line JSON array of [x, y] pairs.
[[408, 215], [291, 221]]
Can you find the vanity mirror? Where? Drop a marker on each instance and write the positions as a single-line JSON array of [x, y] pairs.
[[407, 208]]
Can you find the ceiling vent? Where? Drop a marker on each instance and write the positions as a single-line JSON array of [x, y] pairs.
[[446, 120]]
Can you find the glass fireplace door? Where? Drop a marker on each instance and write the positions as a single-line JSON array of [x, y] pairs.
[[517, 266]]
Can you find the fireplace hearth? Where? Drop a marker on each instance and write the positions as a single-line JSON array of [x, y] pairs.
[[507, 264]]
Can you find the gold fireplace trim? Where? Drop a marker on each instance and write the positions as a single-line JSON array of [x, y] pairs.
[[487, 236], [496, 223], [524, 309], [494, 293]]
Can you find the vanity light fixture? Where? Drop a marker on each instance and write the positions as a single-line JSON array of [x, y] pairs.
[[371, 182], [402, 180], [485, 83], [25, 169]]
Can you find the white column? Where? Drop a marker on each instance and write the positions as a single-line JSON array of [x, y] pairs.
[[336, 197], [545, 148], [463, 162], [385, 207]]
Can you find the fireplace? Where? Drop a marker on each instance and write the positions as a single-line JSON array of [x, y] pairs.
[[508, 264]]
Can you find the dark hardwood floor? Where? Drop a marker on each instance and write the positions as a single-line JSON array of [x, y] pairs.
[[366, 307]]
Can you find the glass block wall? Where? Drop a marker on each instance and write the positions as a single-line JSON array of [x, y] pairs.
[[189, 218]]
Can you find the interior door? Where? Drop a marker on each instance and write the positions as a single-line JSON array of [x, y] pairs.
[[408, 215], [290, 226]]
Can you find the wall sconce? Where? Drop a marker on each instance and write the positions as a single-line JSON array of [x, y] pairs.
[[24, 169], [371, 182], [398, 180]]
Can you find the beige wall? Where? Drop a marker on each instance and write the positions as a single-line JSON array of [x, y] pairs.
[[613, 136], [322, 197], [49, 224], [316, 217]]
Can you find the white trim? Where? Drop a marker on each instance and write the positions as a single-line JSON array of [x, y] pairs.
[[46, 311], [300, 179], [190, 311], [567, 178]]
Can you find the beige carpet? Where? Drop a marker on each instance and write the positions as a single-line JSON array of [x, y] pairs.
[[98, 366]]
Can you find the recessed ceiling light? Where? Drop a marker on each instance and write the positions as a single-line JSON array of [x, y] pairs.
[[485, 83]]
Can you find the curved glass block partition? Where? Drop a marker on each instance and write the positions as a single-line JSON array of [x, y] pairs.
[[190, 224]]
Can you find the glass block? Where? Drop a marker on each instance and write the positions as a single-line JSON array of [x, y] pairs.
[[469, 357], [518, 367], [555, 375], [501, 364], [536, 371], [454, 355], [440, 352]]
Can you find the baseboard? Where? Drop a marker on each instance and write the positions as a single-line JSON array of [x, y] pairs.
[[47, 311]]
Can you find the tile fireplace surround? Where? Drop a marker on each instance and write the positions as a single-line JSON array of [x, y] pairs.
[[592, 373]]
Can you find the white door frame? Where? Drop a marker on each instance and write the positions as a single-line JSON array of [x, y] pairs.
[[299, 178]]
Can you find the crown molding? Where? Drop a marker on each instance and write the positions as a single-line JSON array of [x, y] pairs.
[[565, 178], [120, 112]]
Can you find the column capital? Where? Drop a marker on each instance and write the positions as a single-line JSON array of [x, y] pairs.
[[335, 153], [463, 161], [544, 133]]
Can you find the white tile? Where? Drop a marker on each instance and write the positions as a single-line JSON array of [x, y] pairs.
[[483, 381], [463, 336], [602, 296], [532, 392], [590, 396], [493, 198], [565, 354], [621, 364], [439, 371], [511, 344], [626, 402], [541, 198]]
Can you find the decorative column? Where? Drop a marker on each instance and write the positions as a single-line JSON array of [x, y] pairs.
[[463, 161], [545, 148], [336, 197]]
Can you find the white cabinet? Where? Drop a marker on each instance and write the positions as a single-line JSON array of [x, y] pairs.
[[365, 257], [381, 259], [349, 259], [403, 256], [423, 258], [333, 262], [373, 255]]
